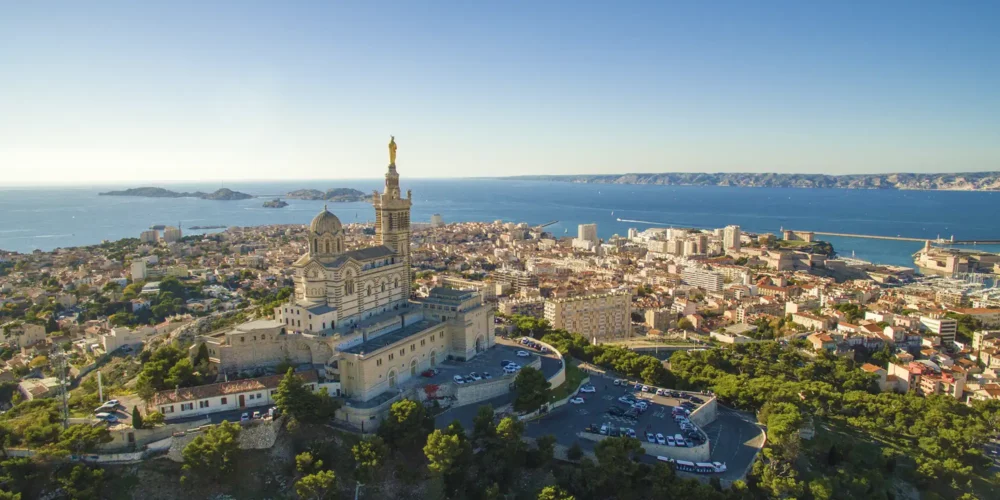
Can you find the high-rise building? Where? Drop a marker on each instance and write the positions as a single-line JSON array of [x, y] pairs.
[[731, 238], [587, 232], [150, 236], [139, 270], [599, 316], [171, 234], [702, 278], [436, 220]]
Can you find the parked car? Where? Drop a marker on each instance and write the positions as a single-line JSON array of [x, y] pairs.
[[631, 432], [645, 388], [458, 379], [504, 363], [429, 373], [245, 417], [625, 399], [697, 400], [256, 415], [107, 417], [661, 392], [671, 441], [475, 376], [638, 387], [487, 376], [660, 439], [113, 402], [650, 437], [523, 354], [524, 340], [272, 411], [588, 388], [614, 432], [675, 394], [632, 413], [577, 400], [604, 429], [617, 382], [616, 411]]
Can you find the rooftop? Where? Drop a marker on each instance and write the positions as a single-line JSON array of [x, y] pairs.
[[224, 388], [392, 337]]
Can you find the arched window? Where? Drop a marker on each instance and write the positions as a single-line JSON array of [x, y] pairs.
[[369, 290], [383, 286], [413, 368], [315, 245], [434, 359], [392, 378], [327, 246], [396, 283], [349, 286]]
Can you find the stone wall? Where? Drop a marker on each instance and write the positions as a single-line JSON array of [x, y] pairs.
[[706, 413], [468, 394], [254, 435], [700, 453]]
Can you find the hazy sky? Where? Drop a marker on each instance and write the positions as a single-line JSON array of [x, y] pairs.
[[98, 91]]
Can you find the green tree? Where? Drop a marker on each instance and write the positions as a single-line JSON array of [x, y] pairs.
[[299, 402], [316, 486], [574, 452], [305, 463], [442, 450], [78, 439], [211, 454], [136, 418], [554, 493], [407, 426], [83, 482], [685, 324], [369, 455], [532, 390], [483, 428], [153, 419], [545, 449]]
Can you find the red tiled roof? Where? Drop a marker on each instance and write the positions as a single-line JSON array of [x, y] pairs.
[[870, 368]]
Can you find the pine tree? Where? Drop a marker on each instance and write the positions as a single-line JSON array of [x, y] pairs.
[[136, 418]]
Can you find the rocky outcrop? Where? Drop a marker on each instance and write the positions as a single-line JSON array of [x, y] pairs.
[[224, 194]]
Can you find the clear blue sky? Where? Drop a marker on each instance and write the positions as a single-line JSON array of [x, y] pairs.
[[98, 91]]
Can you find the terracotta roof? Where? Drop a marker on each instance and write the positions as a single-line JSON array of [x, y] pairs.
[[977, 310], [223, 388], [870, 368]]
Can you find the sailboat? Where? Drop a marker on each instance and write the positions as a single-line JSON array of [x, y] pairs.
[[612, 212]]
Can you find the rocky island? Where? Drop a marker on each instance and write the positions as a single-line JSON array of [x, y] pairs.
[[275, 203], [968, 181], [223, 194], [332, 194]]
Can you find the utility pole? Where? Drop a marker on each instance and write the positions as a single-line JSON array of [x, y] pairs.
[[357, 490], [61, 366]]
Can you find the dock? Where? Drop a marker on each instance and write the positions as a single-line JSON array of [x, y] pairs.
[[938, 241], [547, 224]]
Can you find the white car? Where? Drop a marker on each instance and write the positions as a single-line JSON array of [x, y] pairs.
[[475, 376], [577, 401], [660, 439], [588, 388], [661, 392], [458, 379], [523, 354]]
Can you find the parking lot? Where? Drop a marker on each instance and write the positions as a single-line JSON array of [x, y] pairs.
[[565, 422], [489, 362]]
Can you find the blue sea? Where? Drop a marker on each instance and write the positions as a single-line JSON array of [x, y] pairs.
[[51, 217]]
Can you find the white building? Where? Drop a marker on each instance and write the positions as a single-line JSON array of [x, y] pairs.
[[587, 232], [945, 328], [731, 238], [702, 278], [139, 271], [593, 316], [436, 220], [120, 337]]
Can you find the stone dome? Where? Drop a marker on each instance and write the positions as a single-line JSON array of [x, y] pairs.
[[325, 222]]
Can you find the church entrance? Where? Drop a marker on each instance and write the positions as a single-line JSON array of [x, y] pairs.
[[480, 344]]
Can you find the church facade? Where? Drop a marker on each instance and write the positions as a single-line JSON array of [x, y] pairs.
[[351, 315]]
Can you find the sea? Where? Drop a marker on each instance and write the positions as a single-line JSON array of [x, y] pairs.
[[46, 218]]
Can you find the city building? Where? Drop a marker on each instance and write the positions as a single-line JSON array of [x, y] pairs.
[[587, 232], [149, 236], [940, 326], [226, 396], [731, 238], [599, 316], [436, 220], [516, 278], [172, 234], [702, 278], [21, 334], [139, 271]]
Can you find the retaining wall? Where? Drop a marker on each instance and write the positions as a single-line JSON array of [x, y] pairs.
[[559, 378], [706, 413]]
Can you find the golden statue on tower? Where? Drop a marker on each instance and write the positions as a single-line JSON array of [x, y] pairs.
[[392, 150]]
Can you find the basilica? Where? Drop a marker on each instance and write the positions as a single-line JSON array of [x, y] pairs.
[[351, 316]]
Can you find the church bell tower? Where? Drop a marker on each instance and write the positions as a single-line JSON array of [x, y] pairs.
[[392, 213]]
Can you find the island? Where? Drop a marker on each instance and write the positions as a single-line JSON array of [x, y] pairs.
[[332, 194], [275, 203], [967, 181], [224, 194]]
